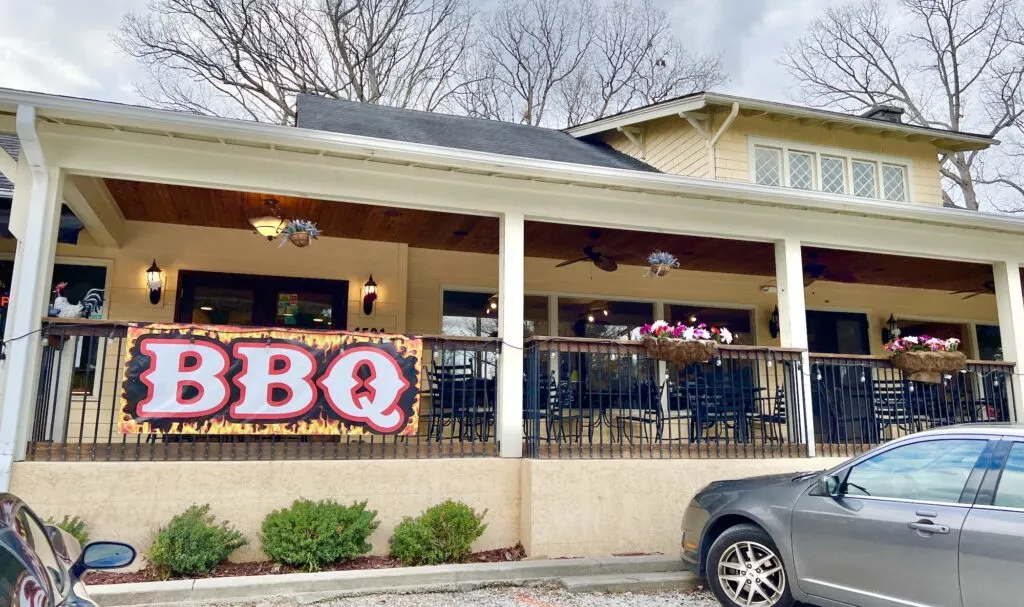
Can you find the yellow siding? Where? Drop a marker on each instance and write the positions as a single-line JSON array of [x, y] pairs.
[[671, 145], [177, 247], [733, 151], [431, 271]]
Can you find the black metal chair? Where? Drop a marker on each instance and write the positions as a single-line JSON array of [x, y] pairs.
[[644, 411], [773, 422]]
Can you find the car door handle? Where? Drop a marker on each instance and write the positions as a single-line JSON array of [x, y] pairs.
[[929, 527]]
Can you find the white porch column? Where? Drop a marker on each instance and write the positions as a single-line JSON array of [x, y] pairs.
[[39, 203], [1010, 304], [789, 272], [509, 426]]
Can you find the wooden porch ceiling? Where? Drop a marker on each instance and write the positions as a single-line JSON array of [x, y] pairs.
[[140, 201]]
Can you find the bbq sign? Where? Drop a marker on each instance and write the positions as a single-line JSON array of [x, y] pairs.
[[206, 379]]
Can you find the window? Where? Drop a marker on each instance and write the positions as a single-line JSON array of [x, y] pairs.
[[34, 534], [469, 313], [579, 317], [737, 321], [833, 175], [894, 182], [932, 471], [829, 170], [1010, 493], [768, 166], [990, 345], [863, 174], [837, 333], [80, 280], [801, 170]]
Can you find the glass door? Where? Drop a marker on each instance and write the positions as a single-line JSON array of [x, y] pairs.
[[264, 301]]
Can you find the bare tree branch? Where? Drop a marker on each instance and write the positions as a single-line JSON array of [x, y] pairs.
[[956, 66], [250, 58], [562, 62]]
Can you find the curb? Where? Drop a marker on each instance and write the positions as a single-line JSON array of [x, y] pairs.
[[327, 584]]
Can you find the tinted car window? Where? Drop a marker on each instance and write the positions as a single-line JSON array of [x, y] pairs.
[[1010, 493], [38, 540], [932, 471]]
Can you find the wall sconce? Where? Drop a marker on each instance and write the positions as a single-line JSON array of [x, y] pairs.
[[891, 330], [155, 282], [492, 304], [773, 323], [369, 295]]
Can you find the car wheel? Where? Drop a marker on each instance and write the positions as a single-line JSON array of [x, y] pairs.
[[744, 569]]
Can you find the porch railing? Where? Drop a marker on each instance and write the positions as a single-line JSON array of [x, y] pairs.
[[861, 401], [75, 416], [587, 398]]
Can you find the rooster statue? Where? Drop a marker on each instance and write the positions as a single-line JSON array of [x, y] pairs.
[[62, 308]]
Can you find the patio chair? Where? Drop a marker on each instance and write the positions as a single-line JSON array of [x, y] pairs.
[[644, 411], [889, 401], [773, 422], [459, 400]]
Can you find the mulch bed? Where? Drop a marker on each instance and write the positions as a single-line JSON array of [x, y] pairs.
[[515, 553]]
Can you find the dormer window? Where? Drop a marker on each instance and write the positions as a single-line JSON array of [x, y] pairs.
[[829, 170]]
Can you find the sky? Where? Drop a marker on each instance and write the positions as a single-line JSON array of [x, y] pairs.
[[65, 46]]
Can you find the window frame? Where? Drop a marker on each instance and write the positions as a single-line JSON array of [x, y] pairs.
[[848, 157], [659, 304]]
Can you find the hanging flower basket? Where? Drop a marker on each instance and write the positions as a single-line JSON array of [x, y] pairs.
[[299, 232], [660, 263], [681, 344], [926, 359], [680, 351]]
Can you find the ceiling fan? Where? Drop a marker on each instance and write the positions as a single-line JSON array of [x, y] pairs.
[[987, 288], [814, 271], [608, 263]]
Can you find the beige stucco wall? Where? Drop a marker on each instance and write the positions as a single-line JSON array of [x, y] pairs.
[[601, 507], [672, 145], [556, 508], [130, 501]]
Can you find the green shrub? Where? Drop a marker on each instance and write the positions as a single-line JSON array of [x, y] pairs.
[[442, 534], [313, 534], [73, 525], [193, 543]]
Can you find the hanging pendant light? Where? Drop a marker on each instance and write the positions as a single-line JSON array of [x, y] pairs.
[[271, 224]]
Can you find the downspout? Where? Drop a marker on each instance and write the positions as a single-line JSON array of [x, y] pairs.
[[712, 159], [11, 409]]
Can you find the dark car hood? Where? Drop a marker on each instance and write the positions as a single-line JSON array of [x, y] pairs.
[[796, 480]]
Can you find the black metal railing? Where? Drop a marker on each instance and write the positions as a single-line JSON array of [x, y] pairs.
[[607, 399], [77, 409], [861, 401]]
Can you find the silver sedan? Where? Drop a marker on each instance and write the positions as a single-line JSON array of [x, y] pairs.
[[934, 519]]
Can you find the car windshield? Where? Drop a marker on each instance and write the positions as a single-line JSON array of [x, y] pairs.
[[34, 534]]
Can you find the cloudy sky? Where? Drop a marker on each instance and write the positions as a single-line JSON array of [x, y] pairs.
[[64, 46]]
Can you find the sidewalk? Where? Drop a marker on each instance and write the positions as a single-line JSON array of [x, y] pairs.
[[309, 587]]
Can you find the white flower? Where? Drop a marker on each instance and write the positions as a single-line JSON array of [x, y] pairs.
[[659, 326], [688, 333], [726, 336], [912, 339]]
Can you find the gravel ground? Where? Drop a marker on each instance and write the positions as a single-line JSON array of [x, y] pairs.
[[528, 597]]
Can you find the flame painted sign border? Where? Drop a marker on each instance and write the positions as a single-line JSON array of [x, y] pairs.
[[211, 379]]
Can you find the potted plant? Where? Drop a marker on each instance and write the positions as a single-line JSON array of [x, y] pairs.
[[300, 232], [660, 263], [683, 344], [925, 358]]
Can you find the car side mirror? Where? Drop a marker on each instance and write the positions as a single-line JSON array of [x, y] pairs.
[[829, 485], [104, 555]]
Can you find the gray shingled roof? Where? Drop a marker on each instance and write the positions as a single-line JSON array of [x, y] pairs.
[[10, 144], [476, 134]]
